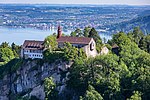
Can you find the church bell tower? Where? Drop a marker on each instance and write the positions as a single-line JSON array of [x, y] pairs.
[[59, 32]]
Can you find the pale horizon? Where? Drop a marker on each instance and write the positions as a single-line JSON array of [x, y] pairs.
[[79, 2]]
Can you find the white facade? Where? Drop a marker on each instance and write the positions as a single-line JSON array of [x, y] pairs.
[[90, 49], [27, 53], [104, 50]]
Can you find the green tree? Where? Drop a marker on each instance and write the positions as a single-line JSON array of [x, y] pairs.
[[137, 35], [6, 54], [78, 32], [128, 51], [4, 45], [135, 61], [86, 31], [72, 53], [78, 77], [92, 94], [94, 34], [50, 42], [142, 44], [52, 56], [50, 89], [107, 76], [147, 40], [136, 96], [16, 49], [73, 34]]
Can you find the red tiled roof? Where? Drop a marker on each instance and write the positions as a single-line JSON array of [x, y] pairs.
[[32, 44], [75, 40]]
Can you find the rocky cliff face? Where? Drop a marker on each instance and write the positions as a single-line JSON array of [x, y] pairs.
[[28, 79]]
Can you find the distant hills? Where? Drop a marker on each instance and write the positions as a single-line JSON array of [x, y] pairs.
[[142, 21]]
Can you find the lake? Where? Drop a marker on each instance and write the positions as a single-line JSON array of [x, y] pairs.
[[19, 35]]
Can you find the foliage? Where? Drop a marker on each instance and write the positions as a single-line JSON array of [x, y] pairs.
[[141, 39], [72, 53], [73, 34], [78, 77], [92, 94], [110, 77], [147, 40], [50, 89], [16, 49], [10, 67], [77, 33], [115, 77], [50, 42], [6, 54], [94, 34], [136, 96], [86, 31], [137, 35], [51, 56], [4, 45]]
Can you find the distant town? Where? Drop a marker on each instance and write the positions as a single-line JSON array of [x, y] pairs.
[[106, 19]]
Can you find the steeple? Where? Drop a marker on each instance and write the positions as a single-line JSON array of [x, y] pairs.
[[59, 32]]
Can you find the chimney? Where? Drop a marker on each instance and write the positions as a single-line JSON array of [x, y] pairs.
[[59, 32]]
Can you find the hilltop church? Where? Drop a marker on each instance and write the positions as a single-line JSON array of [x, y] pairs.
[[34, 49], [88, 44]]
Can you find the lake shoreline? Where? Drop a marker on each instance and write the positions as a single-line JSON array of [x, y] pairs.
[[18, 35]]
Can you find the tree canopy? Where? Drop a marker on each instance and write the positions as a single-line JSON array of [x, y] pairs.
[[50, 42], [114, 77]]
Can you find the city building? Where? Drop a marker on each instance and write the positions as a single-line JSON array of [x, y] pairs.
[[88, 44], [32, 49]]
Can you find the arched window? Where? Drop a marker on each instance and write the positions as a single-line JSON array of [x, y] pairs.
[[92, 46]]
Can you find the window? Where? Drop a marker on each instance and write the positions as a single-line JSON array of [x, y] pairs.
[[92, 46]]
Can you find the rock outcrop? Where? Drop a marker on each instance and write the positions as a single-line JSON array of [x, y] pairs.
[[28, 79]]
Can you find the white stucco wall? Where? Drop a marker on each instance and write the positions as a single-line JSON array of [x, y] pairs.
[[104, 50], [87, 50], [32, 55]]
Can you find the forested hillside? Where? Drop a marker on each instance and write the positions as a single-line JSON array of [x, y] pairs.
[[142, 20]]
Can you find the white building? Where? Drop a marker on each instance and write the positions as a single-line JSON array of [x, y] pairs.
[[32, 49]]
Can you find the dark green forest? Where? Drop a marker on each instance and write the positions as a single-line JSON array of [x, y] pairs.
[[121, 76]]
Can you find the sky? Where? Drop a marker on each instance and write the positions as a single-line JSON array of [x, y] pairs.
[[99, 2]]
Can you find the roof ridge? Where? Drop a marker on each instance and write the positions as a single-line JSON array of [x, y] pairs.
[[77, 40]]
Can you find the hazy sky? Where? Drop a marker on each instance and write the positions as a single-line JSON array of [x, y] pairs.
[[128, 2]]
